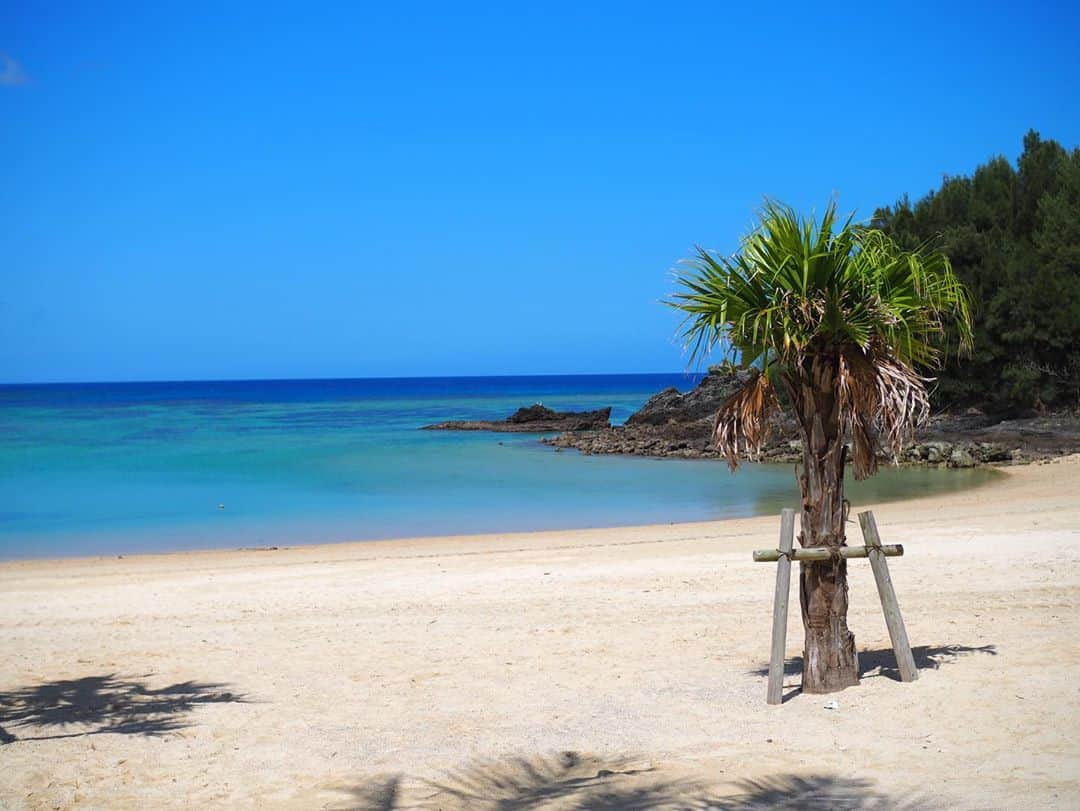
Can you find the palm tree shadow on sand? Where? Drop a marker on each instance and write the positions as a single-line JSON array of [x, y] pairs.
[[882, 661], [97, 705], [574, 782]]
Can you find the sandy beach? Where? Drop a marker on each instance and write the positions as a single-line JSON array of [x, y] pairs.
[[613, 668]]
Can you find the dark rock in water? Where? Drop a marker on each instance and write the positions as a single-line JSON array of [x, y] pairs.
[[676, 424], [538, 413], [533, 419], [696, 405]]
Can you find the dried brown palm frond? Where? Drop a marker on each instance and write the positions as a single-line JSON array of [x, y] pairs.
[[903, 401], [882, 403], [743, 421], [859, 402]]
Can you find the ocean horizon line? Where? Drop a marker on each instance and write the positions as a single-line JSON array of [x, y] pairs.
[[386, 378]]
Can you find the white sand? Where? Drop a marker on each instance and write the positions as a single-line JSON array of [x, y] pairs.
[[636, 648]]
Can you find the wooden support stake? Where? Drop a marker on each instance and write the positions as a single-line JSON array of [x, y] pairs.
[[897, 633], [891, 550], [780, 609]]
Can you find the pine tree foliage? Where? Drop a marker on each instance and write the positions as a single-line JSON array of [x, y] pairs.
[[1013, 238]]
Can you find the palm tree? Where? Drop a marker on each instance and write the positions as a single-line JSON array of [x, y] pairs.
[[842, 317]]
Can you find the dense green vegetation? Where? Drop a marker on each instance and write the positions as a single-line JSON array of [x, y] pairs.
[[1013, 236]]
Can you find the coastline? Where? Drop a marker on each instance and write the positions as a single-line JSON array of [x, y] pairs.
[[335, 666]]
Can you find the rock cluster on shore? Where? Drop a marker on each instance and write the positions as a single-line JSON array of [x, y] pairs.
[[680, 425], [677, 424]]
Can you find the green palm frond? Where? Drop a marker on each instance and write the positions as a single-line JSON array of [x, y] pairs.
[[794, 283]]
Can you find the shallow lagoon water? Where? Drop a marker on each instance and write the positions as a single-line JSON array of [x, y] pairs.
[[124, 468]]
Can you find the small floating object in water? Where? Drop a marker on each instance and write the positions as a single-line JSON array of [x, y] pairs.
[[221, 506]]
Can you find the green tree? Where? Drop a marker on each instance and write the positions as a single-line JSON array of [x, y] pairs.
[[842, 317], [1043, 299], [1012, 238]]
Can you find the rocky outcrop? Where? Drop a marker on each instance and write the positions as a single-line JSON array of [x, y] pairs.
[[533, 419], [680, 440], [974, 438], [679, 424], [676, 424], [672, 423], [695, 407], [959, 453]]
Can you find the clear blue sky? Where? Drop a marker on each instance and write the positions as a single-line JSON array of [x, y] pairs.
[[429, 189]]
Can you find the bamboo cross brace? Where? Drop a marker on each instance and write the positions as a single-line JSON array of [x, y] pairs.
[[875, 551], [820, 553]]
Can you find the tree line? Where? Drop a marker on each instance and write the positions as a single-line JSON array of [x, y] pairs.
[[1013, 237]]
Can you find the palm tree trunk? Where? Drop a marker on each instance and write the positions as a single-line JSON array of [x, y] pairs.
[[830, 662]]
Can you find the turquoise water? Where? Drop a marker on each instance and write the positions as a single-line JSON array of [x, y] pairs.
[[116, 468]]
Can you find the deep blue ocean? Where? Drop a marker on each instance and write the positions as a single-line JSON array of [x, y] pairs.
[[114, 468]]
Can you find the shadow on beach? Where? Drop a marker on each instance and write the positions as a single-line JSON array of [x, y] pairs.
[[97, 705], [574, 782], [883, 660]]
